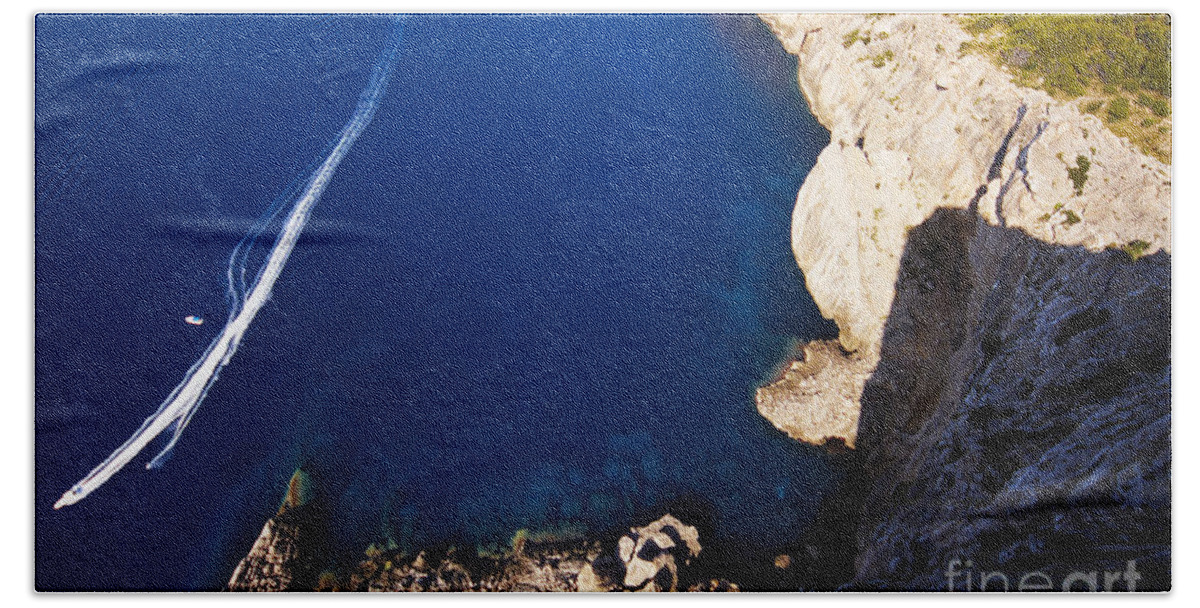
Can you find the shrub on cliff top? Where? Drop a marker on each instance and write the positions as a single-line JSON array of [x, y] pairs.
[[1158, 106], [1094, 55], [1072, 53], [1118, 109], [1135, 249], [1079, 173]]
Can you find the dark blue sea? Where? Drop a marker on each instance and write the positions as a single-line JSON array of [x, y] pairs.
[[539, 292]]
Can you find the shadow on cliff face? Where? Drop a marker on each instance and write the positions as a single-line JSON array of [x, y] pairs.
[[1018, 423]]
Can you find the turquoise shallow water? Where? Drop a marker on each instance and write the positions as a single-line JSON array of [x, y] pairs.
[[539, 292]]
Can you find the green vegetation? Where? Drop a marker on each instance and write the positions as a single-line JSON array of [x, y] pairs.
[[882, 59], [849, 39], [524, 537], [1057, 207], [1135, 249], [1105, 59], [856, 35], [1079, 173], [1071, 53], [1155, 104], [1118, 109], [1070, 218]]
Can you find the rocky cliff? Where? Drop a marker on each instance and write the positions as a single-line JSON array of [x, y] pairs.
[[916, 127], [1004, 362]]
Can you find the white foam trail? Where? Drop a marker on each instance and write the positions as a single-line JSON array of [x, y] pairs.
[[179, 407]]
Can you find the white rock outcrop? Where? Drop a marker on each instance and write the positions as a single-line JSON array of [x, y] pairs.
[[815, 399]]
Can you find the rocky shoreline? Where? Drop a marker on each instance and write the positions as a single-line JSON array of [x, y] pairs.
[[654, 557]]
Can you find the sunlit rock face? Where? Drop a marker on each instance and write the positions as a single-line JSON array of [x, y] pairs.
[[815, 399]]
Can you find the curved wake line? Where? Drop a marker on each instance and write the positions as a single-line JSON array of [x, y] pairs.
[[179, 407]]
